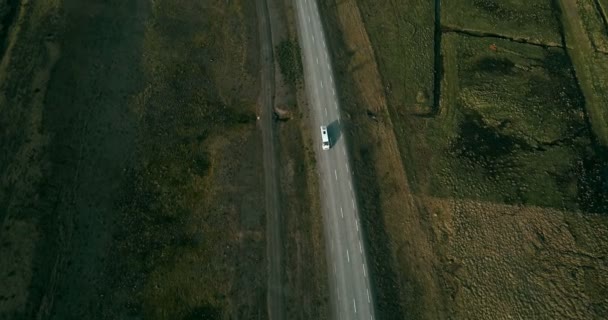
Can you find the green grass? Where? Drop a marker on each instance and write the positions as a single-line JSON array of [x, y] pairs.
[[531, 19], [520, 126]]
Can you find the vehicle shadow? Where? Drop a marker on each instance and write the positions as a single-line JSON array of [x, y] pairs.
[[334, 132]]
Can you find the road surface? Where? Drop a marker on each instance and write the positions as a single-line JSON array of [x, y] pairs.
[[349, 281]]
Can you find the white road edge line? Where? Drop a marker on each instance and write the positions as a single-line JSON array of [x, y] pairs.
[[347, 255], [335, 171], [355, 305]]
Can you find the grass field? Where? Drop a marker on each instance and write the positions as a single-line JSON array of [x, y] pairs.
[[534, 20]]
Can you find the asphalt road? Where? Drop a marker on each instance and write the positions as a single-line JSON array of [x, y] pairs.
[[350, 285]]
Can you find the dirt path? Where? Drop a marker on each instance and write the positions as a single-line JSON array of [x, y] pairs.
[[275, 296]]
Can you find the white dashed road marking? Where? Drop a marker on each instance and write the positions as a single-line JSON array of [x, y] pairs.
[[336, 174], [357, 225], [368, 300], [317, 60], [360, 246], [364, 273], [355, 305], [313, 38], [342, 212], [347, 255], [321, 84], [353, 201]]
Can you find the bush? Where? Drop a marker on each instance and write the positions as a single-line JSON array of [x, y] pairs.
[[288, 53]]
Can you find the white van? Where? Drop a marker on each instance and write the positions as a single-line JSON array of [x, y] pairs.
[[325, 138]]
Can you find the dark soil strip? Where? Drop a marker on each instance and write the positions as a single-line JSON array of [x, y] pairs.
[[481, 34], [8, 14], [438, 60]]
